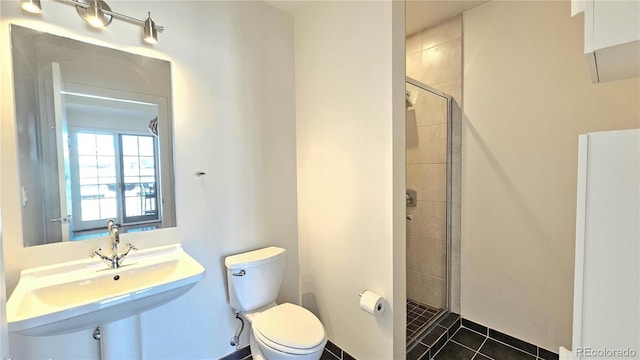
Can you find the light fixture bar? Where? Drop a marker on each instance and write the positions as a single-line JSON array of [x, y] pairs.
[[113, 13], [132, 19]]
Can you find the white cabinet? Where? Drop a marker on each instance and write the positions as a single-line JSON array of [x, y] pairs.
[[611, 37], [606, 314]]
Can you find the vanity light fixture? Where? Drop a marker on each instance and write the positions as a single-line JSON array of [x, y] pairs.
[[99, 15], [150, 32], [32, 6]]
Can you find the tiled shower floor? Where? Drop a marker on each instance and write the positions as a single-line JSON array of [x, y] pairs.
[[418, 317]]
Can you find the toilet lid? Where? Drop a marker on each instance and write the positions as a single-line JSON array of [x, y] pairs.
[[290, 326]]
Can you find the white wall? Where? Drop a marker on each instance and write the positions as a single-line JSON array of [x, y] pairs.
[[350, 148], [527, 96], [233, 93], [4, 336]]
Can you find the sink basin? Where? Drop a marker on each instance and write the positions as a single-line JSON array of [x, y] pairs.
[[83, 294]]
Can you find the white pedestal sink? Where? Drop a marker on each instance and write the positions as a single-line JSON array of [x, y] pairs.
[[83, 294], [121, 339]]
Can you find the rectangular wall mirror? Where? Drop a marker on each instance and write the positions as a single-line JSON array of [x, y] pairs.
[[94, 136]]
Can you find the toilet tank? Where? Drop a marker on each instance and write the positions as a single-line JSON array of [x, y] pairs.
[[254, 277]]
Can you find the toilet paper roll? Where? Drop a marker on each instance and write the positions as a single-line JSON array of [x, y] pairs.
[[372, 303]]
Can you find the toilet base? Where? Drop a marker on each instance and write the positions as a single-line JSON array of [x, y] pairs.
[[257, 354]]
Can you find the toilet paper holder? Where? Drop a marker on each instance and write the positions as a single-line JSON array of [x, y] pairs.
[[377, 308]]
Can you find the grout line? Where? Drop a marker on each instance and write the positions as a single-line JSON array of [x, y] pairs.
[[481, 354], [442, 347], [480, 347], [502, 343], [513, 347], [463, 345], [485, 335], [454, 334], [331, 352], [445, 335], [426, 351]]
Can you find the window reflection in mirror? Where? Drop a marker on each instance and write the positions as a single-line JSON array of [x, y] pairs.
[[94, 138]]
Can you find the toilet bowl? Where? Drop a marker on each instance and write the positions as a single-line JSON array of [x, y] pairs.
[[278, 332], [287, 331]]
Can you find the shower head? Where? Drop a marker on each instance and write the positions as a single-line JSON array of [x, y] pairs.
[[410, 98]]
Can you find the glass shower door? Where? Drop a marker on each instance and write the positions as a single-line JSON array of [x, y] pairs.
[[426, 182]]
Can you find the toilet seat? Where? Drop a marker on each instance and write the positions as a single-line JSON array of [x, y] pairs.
[[290, 329]]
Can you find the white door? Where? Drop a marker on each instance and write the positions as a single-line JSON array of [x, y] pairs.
[[62, 141], [94, 179]]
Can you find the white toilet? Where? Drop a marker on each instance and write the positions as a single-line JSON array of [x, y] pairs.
[[278, 332]]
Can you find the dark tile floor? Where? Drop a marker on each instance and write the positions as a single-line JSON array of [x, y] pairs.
[[419, 316], [331, 352], [461, 343], [240, 354], [451, 338], [430, 342], [334, 352]]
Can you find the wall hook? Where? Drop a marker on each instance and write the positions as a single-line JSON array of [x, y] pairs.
[[200, 173]]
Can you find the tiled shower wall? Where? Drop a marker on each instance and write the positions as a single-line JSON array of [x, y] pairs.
[[434, 57]]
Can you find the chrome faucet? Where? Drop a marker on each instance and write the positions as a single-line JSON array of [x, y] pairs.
[[115, 237], [115, 260]]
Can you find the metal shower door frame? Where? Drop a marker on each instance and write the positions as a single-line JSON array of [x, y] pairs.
[[449, 178]]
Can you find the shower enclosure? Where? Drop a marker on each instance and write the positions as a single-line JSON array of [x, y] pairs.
[[429, 199]]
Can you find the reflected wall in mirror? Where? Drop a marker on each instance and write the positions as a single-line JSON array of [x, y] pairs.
[[94, 137]]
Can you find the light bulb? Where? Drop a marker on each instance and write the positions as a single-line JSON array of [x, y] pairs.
[[95, 15], [95, 22]]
